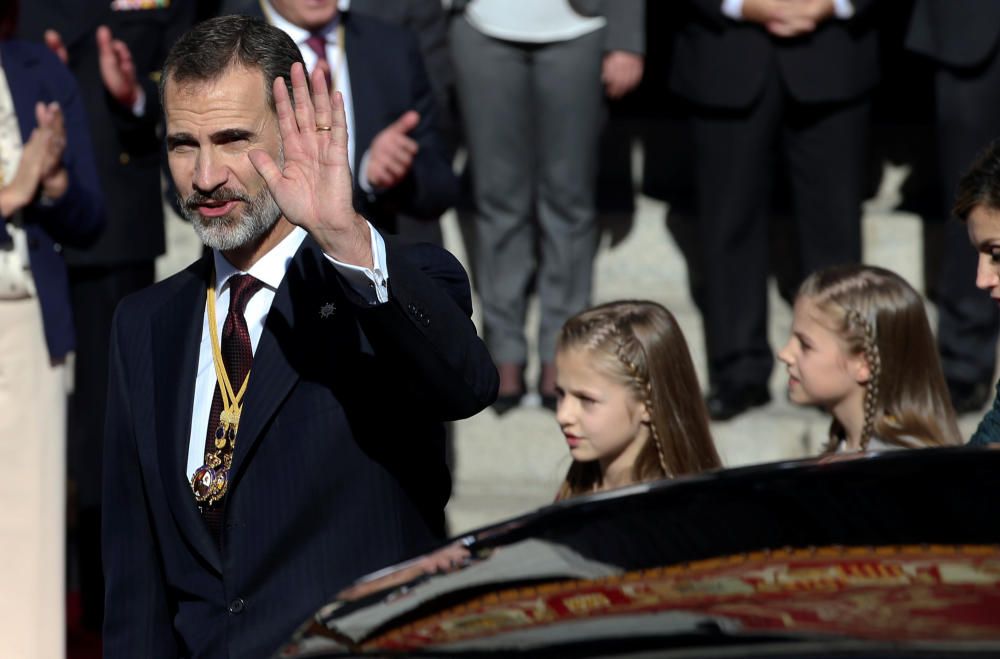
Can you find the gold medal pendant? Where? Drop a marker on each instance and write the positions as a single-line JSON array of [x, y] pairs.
[[203, 483], [210, 482]]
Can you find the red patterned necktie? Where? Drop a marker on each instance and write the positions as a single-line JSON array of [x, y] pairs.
[[237, 356], [317, 42]]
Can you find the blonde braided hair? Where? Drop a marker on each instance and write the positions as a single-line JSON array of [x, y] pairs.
[[871, 352], [640, 343], [643, 384]]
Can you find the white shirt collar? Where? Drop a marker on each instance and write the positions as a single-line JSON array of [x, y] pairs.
[[270, 268], [299, 34]]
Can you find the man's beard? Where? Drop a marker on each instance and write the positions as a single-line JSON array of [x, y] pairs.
[[235, 229]]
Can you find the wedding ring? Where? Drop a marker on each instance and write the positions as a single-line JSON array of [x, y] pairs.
[[322, 129]]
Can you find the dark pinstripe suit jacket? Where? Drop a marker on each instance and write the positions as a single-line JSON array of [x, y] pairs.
[[339, 467]]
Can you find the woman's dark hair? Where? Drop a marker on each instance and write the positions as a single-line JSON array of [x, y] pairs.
[[980, 185], [211, 48]]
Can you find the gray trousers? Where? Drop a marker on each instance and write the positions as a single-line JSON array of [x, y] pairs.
[[532, 115]]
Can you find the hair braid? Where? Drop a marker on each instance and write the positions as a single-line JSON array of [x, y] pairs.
[[875, 368], [643, 384]]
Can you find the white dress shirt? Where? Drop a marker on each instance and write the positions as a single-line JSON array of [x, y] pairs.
[[370, 284], [337, 59]]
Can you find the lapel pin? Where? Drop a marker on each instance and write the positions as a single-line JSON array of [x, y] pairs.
[[327, 310]]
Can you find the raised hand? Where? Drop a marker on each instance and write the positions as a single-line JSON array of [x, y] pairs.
[[392, 152], [117, 68], [313, 186]]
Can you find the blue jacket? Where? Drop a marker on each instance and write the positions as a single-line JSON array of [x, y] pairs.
[[35, 74]]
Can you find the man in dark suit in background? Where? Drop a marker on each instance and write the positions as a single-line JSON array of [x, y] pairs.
[[400, 160], [116, 68], [790, 77], [962, 39], [330, 462]]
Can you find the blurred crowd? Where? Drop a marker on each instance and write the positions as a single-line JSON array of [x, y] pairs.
[[764, 124]]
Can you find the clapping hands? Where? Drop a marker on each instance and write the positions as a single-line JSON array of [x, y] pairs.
[[41, 164]]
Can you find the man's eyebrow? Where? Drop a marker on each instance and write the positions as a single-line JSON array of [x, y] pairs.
[[177, 139], [231, 135]]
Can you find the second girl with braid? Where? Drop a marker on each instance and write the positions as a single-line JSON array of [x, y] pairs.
[[861, 349], [629, 403]]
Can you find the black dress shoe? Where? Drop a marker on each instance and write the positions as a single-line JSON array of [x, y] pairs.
[[726, 401], [506, 402], [512, 383], [968, 397]]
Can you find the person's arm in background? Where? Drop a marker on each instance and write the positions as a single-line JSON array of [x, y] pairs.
[[66, 197], [624, 46], [422, 183], [132, 88]]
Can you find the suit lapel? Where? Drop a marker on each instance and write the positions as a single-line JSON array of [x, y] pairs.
[[283, 343], [178, 323]]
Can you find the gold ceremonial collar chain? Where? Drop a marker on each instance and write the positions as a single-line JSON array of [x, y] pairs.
[[210, 481]]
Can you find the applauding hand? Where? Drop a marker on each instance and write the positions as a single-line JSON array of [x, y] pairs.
[[313, 187], [40, 164], [392, 152], [117, 68], [52, 130]]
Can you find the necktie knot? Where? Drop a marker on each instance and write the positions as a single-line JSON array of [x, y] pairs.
[[241, 289], [317, 42]]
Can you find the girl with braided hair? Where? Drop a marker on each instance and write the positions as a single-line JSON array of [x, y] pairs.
[[629, 403], [861, 348]]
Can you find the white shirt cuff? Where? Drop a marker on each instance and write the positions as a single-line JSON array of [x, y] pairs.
[[371, 284], [139, 107], [733, 9], [843, 9]]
